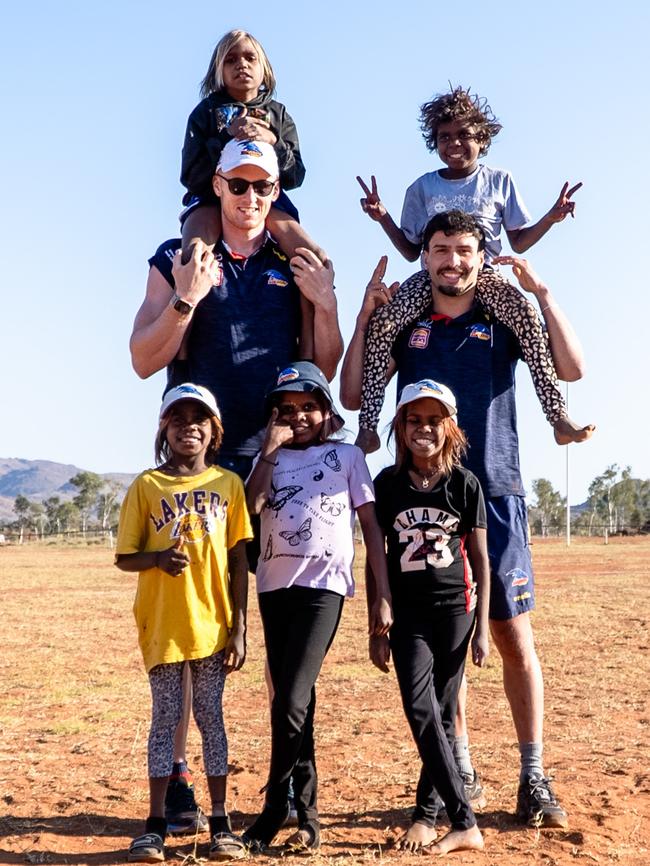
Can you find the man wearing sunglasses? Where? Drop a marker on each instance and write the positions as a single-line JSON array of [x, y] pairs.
[[230, 317]]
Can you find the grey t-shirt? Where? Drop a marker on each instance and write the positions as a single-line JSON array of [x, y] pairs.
[[489, 194]]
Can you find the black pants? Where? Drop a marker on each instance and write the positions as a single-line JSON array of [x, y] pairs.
[[299, 627], [429, 657]]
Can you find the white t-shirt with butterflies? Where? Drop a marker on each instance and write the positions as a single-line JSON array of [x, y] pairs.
[[307, 526]]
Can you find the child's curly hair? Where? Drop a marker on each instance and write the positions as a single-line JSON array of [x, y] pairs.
[[459, 104]]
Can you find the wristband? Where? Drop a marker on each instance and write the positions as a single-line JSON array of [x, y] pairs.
[[270, 462]]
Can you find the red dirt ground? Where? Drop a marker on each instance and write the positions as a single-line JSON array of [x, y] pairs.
[[74, 720]]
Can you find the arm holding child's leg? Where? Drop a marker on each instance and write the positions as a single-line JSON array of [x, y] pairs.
[[404, 306], [316, 283], [291, 236], [512, 309]]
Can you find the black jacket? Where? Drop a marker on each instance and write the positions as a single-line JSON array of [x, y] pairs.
[[207, 135]]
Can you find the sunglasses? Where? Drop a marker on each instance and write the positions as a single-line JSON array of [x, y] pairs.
[[238, 185]]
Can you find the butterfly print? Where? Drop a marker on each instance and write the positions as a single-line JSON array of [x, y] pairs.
[[281, 495], [303, 533], [330, 505], [268, 553], [331, 460]]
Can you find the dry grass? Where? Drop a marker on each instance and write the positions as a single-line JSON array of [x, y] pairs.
[[74, 719]]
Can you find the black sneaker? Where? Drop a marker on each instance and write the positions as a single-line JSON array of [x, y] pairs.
[[474, 790], [537, 805], [182, 814]]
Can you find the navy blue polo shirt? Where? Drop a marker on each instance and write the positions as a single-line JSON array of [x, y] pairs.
[[242, 334], [476, 356]]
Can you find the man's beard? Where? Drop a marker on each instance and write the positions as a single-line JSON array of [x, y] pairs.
[[455, 291]]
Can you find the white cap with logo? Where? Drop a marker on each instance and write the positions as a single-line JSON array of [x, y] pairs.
[[188, 391], [260, 153], [428, 388]]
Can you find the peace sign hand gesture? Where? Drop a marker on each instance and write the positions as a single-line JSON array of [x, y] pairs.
[[377, 292], [372, 204], [564, 206]]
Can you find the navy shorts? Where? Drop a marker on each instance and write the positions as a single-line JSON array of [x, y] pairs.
[[512, 585]]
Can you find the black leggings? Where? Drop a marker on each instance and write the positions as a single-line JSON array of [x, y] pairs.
[[299, 627], [429, 657]]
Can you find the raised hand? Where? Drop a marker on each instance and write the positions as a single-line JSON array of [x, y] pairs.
[[564, 206], [371, 203], [278, 433], [173, 560], [377, 292], [528, 279]]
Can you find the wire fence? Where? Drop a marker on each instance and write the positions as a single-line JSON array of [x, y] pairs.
[[68, 537], [106, 537]]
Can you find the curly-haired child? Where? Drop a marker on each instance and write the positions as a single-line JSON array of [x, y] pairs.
[[461, 126]]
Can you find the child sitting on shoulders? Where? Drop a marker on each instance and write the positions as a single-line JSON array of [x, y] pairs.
[[238, 104], [461, 127]]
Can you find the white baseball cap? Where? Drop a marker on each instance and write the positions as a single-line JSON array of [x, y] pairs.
[[188, 391], [258, 153], [428, 388]]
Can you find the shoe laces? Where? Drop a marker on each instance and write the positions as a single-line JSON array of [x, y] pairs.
[[540, 789]]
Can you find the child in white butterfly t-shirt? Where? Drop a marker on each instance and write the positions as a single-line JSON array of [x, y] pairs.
[[307, 488]]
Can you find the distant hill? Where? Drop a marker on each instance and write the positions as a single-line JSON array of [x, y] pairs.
[[40, 479]]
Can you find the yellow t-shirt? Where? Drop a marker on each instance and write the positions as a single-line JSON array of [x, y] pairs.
[[184, 617]]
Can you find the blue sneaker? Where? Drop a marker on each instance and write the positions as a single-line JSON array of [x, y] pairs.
[[181, 810]]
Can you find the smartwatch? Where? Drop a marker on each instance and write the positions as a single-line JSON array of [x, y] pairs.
[[181, 306]]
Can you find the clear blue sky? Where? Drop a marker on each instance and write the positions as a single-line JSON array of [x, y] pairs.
[[95, 101]]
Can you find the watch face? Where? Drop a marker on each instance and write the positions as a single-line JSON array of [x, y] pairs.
[[181, 306]]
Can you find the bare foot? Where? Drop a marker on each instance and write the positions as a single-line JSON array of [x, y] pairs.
[[567, 431], [417, 836], [368, 441], [459, 840]]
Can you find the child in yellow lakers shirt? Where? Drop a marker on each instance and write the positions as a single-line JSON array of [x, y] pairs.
[[184, 527]]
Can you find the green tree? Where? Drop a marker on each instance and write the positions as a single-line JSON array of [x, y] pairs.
[[37, 518], [623, 497], [107, 504], [21, 509], [52, 506], [89, 484], [640, 516], [68, 516], [548, 507], [612, 498]]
